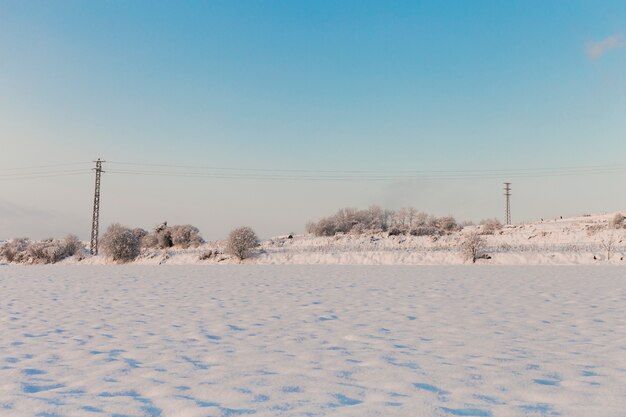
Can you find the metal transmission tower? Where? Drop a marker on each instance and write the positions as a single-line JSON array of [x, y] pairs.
[[96, 209], [507, 207]]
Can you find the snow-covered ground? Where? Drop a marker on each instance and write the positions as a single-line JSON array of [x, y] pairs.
[[312, 341]]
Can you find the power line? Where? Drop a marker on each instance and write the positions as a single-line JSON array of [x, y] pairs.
[[391, 172], [265, 174], [44, 166], [21, 174], [44, 176], [359, 177]]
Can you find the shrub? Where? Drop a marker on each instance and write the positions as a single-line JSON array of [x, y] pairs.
[[120, 243], [241, 242], [350, 220], [186, 236], [15, 250], [163, 237], [593, 229], [160, 238], [473, 247], [45, 251], [325, 227], [139, 233], [211, 254], [490, 226], [374, 220], [447, 224], [149, 241], [73, 246], [394, 231], [424, 231]]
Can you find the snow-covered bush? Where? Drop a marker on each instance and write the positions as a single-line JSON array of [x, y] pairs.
[[120, 243], [490, 226], [447, 224], [215, 254], [593, 229], [149, 241], [404, 221], [350, 220], [45, 251], [73, 246], [15, 250], [424, 231], [186, 236], [241, 242], [139, 233], [619, 221], [163, 237], [324, 227], [51, 251], [394, 231], [473, 247]]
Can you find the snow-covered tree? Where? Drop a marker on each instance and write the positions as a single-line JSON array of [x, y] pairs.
[[448, 224], [472, 247], [120, 243], [404, 221], [241, 242]]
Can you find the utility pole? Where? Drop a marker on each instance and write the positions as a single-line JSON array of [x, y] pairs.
[[507, 207], [96, 209]]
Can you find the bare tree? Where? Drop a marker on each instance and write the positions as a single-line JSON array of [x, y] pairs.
[[473, 247], [608, 244], [241, 242]]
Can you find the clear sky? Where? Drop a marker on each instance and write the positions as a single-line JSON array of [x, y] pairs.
[[318, 85]]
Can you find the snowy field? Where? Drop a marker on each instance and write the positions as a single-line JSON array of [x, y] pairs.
[[312, 341]]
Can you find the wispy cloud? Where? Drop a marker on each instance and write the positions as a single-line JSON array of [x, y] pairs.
[[595, 50]]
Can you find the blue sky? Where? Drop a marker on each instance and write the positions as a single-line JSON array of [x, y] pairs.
[[324, 85]]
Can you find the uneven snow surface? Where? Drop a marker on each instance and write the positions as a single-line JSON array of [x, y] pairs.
[[312, 341]]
